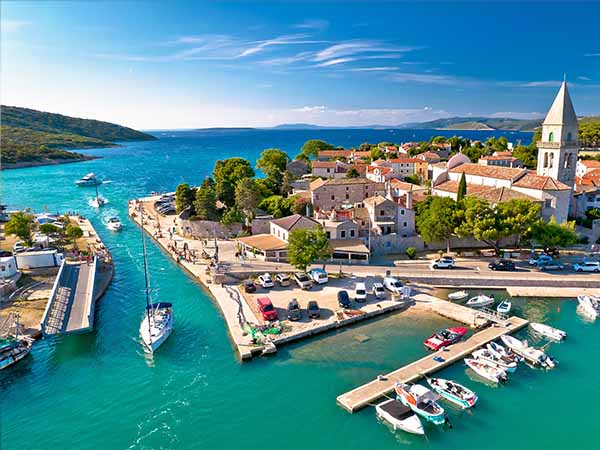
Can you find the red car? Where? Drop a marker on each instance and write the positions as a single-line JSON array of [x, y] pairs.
[[444, 338], [266, 308]]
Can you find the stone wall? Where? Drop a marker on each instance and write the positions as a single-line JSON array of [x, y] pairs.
[[395, 244], [203, 229]]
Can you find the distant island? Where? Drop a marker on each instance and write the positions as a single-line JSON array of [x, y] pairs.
[[36, 138]]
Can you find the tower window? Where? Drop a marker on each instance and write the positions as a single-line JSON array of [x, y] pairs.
[[569, 137], [545, 159], [551, 137]]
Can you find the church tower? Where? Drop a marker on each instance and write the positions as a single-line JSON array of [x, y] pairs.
[[557, 151]]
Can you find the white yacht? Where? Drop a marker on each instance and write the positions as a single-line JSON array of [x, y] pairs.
[[590, 304], [156, 325], [88, 180], [399, 416], [114, 224]]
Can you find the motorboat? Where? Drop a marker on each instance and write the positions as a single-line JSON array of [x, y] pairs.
[[12, 351], [547, 331], [533, 355], [114, 224], [486, 370], [504, 307], [97, 202], [88, 180], [502, 352], [590, 304], [453, 392], [458, 295], [484, 354], [400, 416], [480, 301], [422, 401], [156, 325], [444, 338]]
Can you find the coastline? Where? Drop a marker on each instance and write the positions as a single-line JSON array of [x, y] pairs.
[[46, 162]]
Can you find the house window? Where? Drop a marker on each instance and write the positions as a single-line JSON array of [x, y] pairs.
[[333, 197], [382, 212], [316, 196], [405, 224], [347, 196], [569, 137], [590, 198], [551, 137], [343, 233], [328, 233], [351, 233], [401, 212], [548, 203]]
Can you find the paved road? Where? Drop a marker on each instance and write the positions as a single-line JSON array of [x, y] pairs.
[[78, 318]]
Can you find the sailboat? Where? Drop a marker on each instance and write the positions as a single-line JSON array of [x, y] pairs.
[[157, 323], [98, 201], [13, 349]]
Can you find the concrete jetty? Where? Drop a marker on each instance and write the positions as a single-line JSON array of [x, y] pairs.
[[364, 395]]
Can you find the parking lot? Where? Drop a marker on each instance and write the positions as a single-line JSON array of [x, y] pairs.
[[326, 297]]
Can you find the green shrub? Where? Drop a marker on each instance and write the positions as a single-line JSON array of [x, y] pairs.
[[411, 252]]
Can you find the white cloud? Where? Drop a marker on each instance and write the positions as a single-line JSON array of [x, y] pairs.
[[373, 69], [424, 78], [584, 78], [260, 46], [350, 48], [311, 109], [518, 115], [592, 54], [335, 62], [546, 83], [8, 26], [312, 24]]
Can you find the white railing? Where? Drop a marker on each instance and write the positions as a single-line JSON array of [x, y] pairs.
[[52, 298], [90, 294]]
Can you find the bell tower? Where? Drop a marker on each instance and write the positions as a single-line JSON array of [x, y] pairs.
[[557, 151]]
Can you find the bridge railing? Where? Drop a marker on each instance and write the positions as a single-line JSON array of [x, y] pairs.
[[90, 293], [52, 299]]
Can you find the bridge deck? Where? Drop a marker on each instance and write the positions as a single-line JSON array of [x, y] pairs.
[[364, 395]]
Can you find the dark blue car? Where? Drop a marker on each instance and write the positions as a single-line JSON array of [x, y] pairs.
[[344, 299]]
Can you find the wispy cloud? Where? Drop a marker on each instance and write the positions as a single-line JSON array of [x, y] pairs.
[[312, 24], [546, 83], [260, 46], [350, 48], [584, 78], [425, 78], [592, 54], [518, 115], [7, 25], [335, 62], [373, 69], [311, 109]]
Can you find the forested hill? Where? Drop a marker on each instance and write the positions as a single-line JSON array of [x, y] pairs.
[[58, 124], [33, 138]]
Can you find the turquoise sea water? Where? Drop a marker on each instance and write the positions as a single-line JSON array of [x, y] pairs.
[[99, 391]]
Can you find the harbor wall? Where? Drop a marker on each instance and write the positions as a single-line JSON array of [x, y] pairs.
[[205, 229]]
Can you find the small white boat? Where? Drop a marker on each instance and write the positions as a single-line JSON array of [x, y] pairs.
[[590, 304], [156, 325], [114, 224], [88, 180], [501, 352], [504, 307], [399, 416], [533, 355], [97, 202], [480, 301], [484, 354], [550, 332], [453, 392], [458, 295], [422, 401], [486, 370]]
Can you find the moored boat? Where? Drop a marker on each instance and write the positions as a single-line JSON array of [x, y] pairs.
[[453, 392], [422, 401], [484, 354], [12, 351], [533, 355], [590, 304], [501, 352], [399, 416], [550, 332], [458, 295], [486, 370], [504, 307], [480, 301], [444, 338], [88, 180]]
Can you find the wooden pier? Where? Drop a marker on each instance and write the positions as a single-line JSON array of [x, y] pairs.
[[366, 394]]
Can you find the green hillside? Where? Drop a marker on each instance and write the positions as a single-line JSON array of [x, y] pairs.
[[30, 137]]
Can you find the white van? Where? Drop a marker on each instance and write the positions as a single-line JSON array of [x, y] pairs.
[[360, 292]]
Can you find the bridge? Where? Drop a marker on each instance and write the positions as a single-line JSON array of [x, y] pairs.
[[70, 308]]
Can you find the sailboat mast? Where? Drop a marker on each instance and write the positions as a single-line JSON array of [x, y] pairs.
[[146, 274]]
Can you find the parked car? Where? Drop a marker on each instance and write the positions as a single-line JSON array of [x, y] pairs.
[[313, 310], [360, 292], [293, 310], [266, 309], [502, 264], [554, 265], [587, 266], [319, 276], [392, 284], [541, 260], [283, 279], [302, 280], [344, 299], [265, 280], [445, 262], [378, 290], [552, 251], [18, 247], [249, 286]]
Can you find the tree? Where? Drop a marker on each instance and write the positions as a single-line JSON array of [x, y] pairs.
[[519, 216], [299, 205], [462, 188], [49, 228], [554, 234], [73, 232], [184, 198], [272, 163], [277, 206], [226, 174], [377, 153], [231, 216], [205, 206], [352, 173], [306, 247], [436, 219], [286, 183], [20, 224], [413, 179], [311, 148], [247, 197]]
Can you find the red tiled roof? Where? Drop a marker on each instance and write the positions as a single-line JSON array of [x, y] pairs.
[[489, 193], [333, 153], [323, 164], [501, 173], [534, 181], [498, 158], [590, 163]]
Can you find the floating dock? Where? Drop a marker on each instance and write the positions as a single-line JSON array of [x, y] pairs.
[[365, 395]]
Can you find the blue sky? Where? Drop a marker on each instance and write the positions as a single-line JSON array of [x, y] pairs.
[[191, 64]]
